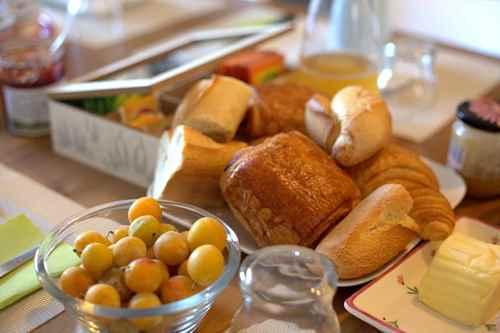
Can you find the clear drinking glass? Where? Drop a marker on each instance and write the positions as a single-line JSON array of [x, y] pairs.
[[407, 80], [341, 46], [286, 288]]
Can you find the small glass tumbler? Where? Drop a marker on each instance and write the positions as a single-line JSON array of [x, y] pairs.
[[407, 79], [286, 288]]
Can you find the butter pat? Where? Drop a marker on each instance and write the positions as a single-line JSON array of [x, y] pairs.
[[463, 281]]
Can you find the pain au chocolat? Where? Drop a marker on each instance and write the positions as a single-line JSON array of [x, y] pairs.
[[287, 190]]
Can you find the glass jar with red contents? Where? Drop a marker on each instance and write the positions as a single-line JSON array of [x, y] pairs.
[[31, 58]]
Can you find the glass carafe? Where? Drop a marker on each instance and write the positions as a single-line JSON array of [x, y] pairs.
[[286, 288], [341, 46]]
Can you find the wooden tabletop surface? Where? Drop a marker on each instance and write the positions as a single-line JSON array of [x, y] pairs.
[[35, 158]]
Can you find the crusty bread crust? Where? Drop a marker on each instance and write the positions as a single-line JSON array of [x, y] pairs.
[[370, 235], [201, 107], [287, 190], [365, 125]]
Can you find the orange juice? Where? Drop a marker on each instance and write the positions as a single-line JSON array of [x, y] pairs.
[[327, 73]]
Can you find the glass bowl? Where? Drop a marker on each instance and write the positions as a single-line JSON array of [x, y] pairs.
[[180, 316]]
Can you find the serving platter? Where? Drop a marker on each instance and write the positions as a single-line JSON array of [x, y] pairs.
[[451, 185], [390, 303]]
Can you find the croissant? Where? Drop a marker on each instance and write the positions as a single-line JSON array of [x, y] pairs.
[[396, 165]]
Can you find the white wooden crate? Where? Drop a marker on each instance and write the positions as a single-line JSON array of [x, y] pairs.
[[102, 144]]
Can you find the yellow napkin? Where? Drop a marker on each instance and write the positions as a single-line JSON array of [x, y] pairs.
[[17, 235]]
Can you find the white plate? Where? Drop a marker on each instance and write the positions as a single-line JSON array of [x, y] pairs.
[[453, 188], [390, 303], [450, 183]]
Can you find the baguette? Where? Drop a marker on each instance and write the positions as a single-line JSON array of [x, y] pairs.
[[215, 107], [189, 167], [375, 231]]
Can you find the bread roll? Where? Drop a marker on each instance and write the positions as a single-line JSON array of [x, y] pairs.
[[277, 108], [397, 165], [322, 124], [373, 233], [189, 167], [287, 190], [365, 125], [215, 107]]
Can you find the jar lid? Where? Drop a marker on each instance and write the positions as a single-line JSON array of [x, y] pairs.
[[482, 113]]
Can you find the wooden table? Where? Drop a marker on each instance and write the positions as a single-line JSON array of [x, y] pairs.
[[35, 158]]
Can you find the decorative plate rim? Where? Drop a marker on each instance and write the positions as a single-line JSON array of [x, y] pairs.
[[369, 318]]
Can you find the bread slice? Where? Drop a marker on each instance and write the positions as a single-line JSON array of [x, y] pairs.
[[375, 231]]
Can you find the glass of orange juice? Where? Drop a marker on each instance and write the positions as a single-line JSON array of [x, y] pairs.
[[341, 46]]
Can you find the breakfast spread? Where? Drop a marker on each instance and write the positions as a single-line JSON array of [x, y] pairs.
[[147, 264], [294, 165], [463, 280], [311, 159]]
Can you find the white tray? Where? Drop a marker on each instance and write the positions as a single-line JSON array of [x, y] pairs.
[[390, 303]]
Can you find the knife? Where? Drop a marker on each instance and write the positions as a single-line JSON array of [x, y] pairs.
[[8, 208], [15, 262]]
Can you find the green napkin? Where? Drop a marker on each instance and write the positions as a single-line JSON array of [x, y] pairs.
[[17, 235]]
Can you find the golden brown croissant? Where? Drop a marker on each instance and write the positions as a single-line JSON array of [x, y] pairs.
[[397, 165], [287, 190]]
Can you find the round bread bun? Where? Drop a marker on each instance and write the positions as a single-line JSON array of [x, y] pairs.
[[365, 125]]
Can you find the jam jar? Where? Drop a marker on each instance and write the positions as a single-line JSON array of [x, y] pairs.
[[31, 59], [474, 149]]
